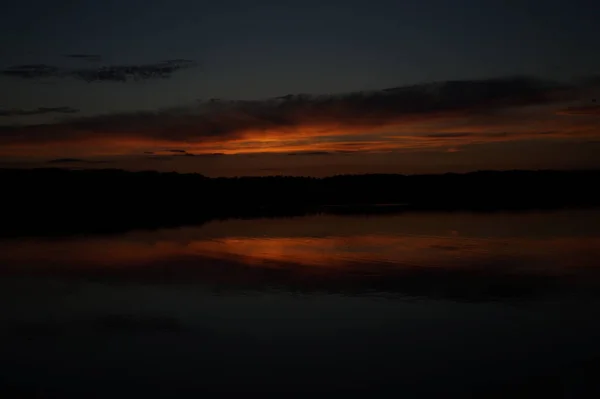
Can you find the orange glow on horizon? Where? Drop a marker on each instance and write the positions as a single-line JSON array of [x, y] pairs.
[[394, 134]]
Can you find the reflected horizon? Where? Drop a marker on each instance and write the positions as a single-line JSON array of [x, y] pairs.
[[417, 255], [341, 304]]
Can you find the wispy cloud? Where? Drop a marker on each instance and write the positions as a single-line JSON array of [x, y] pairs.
[[37, 111], [449, 113], [108, 73]]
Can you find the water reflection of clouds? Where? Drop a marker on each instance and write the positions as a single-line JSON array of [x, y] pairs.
[[504, 254], [559, 253], [229, 290]]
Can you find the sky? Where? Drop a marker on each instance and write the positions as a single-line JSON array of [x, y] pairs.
[[305, 88]]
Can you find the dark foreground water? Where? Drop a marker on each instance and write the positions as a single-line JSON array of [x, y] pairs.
[[413, 305]]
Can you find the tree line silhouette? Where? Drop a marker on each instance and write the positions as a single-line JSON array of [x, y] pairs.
[[54, 200]]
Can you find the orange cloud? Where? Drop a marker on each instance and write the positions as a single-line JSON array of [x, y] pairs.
[[437, 115]]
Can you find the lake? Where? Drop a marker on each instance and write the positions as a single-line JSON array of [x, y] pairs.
[[414, 304]]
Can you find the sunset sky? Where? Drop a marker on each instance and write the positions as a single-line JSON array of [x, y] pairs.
[[300, 88]]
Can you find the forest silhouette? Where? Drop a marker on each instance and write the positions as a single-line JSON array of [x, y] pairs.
[[55, 201]]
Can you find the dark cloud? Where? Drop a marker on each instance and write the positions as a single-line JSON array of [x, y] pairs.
[[211, 155], [84, 57], [31, 71], [37, 111], [73, 160], [220, 121], [123, 73], [311, 153], [585, 110], [203, 155], [110, 73], [448, 135], [182, 153], [486, 136]]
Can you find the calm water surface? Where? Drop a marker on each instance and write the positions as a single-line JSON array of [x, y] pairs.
[[419, 305]]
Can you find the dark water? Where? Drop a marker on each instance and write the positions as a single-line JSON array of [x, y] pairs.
[[414, 305]]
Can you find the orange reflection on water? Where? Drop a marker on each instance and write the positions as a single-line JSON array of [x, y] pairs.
[[375, 253], [342, 251]]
